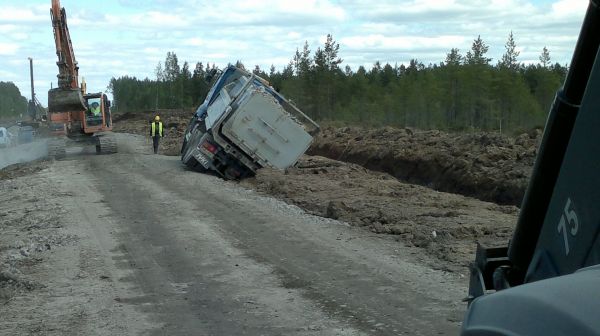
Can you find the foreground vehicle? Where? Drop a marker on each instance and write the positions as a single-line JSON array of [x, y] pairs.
[[546, 281], [243, 125]]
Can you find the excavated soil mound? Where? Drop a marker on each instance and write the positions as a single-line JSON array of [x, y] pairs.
[[488, 166], [447, 226]]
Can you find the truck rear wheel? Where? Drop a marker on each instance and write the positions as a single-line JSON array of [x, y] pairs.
[[193, 164]]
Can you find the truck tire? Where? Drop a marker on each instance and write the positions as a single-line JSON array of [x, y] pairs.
[[183, 147], [193, 164]]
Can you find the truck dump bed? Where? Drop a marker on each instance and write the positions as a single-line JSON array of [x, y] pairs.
[[243, 125], [262, 128]]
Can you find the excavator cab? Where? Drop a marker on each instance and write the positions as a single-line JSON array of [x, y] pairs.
[[97, 115], [547, 280]]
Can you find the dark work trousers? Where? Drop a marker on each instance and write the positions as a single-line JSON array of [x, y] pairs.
[[155, 141]]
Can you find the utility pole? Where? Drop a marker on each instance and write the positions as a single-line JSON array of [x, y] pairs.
[[31, 78], [32, 106]]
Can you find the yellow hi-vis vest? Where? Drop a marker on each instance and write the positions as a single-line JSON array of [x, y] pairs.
[[160, 129]]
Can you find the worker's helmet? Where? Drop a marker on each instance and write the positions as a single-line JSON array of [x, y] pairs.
[[95, 104], [157, 118]]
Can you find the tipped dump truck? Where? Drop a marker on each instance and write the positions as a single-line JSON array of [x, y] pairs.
[[243, 125]]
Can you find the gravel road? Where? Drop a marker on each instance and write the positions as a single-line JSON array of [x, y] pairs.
[[142, 246]]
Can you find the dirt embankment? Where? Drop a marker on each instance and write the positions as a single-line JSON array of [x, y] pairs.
[[488, 166], [446, 225], [175, 122]]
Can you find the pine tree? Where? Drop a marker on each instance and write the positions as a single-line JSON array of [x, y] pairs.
[[348, 71], [476, 56], [331, 50], [185, 71], [172, 69], [509, 58], [545, 58], [305, 63], [158, 71], [240, 65], [454, 57]]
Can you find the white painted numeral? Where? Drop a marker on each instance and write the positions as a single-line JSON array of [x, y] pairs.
[[569, 217]]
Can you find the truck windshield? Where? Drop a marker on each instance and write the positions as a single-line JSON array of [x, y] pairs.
[[94, 112]]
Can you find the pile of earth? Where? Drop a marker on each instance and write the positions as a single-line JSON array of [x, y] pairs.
[[174, 121], [489, 166], [447, 226]]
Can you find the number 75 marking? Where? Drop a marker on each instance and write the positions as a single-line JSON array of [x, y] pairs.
[[568, 217]]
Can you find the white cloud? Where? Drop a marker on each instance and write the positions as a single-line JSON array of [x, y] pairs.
[[569, 8], [194, 41], [7, 75], [413, 43], [113, 41], [7, 28], [20, 15], [8, 48]]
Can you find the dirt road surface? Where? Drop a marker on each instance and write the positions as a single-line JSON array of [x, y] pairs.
[[132, 243]]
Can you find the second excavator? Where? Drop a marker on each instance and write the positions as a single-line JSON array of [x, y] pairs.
[[72, 113]]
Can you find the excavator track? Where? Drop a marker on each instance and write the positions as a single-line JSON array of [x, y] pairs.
[[57, 148], [107, 144]]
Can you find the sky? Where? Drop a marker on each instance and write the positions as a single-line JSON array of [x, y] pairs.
[[113, 38]]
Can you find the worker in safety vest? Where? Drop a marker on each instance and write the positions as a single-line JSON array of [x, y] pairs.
[[156, 132], [95, 109]]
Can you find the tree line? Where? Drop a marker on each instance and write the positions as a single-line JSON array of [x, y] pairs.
[[463, 92], [12, 103]]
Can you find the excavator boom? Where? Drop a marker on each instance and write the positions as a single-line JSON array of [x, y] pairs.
[[68, 96]]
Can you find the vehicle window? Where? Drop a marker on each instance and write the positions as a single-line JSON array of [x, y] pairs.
[[235, 87], [94, 112]]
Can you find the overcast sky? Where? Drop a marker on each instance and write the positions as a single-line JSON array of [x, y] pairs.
[[113, 38]]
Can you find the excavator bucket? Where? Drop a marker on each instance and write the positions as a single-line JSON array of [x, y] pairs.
[[65, 100]]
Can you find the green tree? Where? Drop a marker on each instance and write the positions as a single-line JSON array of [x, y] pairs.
[[545, 57], [12, 103], [509, 58], [476, 56], [454, 58]]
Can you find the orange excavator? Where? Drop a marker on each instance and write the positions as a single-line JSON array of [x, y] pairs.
[[73, 113]]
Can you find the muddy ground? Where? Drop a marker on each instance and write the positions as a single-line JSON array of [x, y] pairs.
[[438, 191], [134, 243], [447, 226]]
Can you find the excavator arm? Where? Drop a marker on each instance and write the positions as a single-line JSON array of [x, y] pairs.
[[68, 96], [68, 71]]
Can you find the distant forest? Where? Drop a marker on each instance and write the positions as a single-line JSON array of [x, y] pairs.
[[463, 92], [12, 103]]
